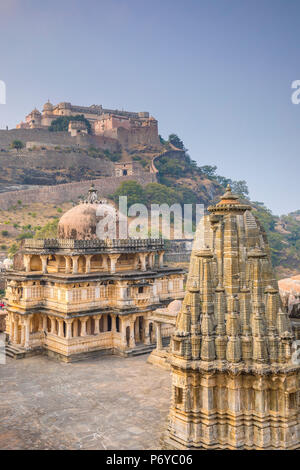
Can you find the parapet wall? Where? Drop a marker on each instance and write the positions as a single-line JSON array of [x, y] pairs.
[[70, 191], [43, 136]]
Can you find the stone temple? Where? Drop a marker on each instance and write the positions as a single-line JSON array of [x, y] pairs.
[[235, 375], [79, 295]]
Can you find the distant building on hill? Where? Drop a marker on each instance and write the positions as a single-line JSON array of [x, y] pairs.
[[130, 128]]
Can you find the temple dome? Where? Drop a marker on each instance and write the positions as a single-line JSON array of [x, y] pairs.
[[48, 106], [80, 222]]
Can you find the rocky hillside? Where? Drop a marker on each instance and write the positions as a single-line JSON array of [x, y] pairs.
[[179, 179]]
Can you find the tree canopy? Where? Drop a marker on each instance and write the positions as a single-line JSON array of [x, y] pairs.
[[62, 123]]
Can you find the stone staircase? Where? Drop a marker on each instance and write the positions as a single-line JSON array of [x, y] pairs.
[[139, 350], [145, 348], [15, 352]]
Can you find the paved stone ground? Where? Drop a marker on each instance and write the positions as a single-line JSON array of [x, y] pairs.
[[104, 403]]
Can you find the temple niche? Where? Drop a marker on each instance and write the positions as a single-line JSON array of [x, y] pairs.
[[79, 295], [235, 369]]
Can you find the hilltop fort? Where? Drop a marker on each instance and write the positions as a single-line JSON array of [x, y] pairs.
[[128, 128]]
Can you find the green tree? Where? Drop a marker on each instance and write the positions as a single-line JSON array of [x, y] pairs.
[[159, 194], [176, 141], [62, 123], [49, 230], [17, 144], [209, 171], [240, 187], [133, 190]]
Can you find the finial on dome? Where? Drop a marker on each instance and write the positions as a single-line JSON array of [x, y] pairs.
[[92, 196]]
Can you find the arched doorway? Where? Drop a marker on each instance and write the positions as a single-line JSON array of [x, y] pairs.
[[35, 263]]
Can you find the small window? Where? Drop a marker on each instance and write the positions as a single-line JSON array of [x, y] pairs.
[[141, 290], [178, 395]]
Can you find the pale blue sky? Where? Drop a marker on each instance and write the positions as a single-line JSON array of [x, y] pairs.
[[216, 72]]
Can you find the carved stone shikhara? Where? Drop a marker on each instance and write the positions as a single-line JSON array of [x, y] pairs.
[[235, 380]]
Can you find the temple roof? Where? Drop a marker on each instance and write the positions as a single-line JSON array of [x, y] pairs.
[[80, 222]]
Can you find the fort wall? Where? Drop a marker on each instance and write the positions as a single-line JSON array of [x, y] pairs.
[[57, 138], [69, 191]]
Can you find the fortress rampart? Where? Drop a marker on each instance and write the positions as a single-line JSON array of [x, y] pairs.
[[69, 191]]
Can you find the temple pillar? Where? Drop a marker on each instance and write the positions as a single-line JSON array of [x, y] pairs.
[[44, 323], [147, 339], [151, 260], [143, 257], [27, 331], [83, 326], [105, 262], [113, 261], [75, 328], [161, 259], [97, 324], [22, 332], [69, 328], [27, 259], [135, 261], [44, 259], [75, 264], [61, 328], [132, 339], [159, 344], [68, 264], [53, 328], [88, 263], [16, 329]]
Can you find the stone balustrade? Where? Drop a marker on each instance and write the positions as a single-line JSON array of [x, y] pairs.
[[129, 244]]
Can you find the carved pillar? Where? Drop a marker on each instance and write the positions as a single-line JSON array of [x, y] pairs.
[[44, 322], [68, 264], [83, 326], [22, 332], [146, 332], [113, 261], [88, 263], [97, 324], [105, 262], [113, 323], [75, 328], [27, 259], [161, 259], [132, 339], [16, 329], [44, 259], [135, 261], [123, 331], [61, 328], [159, 344], [75, 264], [143, 257], [69, 328], [27, 331], [53, 326], [151, 260]]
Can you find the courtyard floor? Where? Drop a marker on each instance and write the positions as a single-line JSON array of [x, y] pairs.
[[104, 403]]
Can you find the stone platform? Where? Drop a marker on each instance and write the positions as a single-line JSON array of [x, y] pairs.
[[104, 403]]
